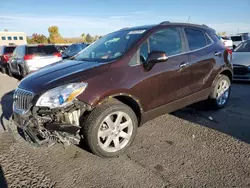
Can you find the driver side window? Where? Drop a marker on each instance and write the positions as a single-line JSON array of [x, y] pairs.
[[166, 40]]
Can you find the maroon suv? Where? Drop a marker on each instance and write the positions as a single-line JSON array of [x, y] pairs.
[[124, 79]]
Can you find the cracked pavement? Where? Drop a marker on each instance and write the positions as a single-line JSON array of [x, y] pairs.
[[187, 148]]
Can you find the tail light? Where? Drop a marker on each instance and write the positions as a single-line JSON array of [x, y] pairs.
[[58, 54], [6, 57], [229, 51], [28, 57]]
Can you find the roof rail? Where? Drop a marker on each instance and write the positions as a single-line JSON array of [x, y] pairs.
[[165, 22]]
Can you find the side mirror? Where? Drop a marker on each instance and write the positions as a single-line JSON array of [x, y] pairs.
[[153, 58]]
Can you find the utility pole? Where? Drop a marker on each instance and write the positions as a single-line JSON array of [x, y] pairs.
[[188, 18]]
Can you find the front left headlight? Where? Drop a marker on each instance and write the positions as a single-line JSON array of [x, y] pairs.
[[61, 96]]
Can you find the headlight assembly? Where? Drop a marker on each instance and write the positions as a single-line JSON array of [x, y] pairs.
[[61, 96]]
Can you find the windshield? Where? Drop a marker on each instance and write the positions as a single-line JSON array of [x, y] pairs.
[[111, 46], [243, 47]]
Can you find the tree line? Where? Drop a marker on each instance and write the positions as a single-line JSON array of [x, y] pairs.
[[55, 37]]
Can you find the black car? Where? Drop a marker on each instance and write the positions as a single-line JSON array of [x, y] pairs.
[[73, 49]]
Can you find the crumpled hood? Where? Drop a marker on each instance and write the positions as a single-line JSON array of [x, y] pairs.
[[241, 58], [60, 73]]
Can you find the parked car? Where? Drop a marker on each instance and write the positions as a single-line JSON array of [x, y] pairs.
[[73, 49], [30, 58], [227, 42], [5, 54], [241, 61], [239, 38], [61, 48], [121, 81]]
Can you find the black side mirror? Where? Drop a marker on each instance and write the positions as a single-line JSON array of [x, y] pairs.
[[153, 58]]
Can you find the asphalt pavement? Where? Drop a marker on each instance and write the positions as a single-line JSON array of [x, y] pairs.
[[187, 148]]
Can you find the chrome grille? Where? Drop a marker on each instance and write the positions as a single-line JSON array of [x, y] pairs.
[[22, 100]]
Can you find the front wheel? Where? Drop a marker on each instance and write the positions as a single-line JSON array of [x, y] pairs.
[[220, 92], [110, 128]]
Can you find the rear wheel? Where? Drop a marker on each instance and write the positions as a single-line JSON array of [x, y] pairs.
[[8, 71], [110, 128], [3, 70], [220, 92]]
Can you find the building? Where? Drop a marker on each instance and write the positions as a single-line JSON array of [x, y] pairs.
[[12, 38]]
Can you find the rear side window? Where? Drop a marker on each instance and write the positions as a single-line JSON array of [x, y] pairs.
[[208, 39], [41, 50], [9, 49], [236, 38], [196, 38]]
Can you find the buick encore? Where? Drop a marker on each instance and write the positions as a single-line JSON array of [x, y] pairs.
[[101, 95]]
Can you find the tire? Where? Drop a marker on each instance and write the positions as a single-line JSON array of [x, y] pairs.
[[95, 124], [214, 100], [3, 70], [8, 71]]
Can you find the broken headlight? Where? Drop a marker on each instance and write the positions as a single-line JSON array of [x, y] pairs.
[[61, 96]]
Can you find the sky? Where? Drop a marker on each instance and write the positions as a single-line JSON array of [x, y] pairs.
[[99, 17]]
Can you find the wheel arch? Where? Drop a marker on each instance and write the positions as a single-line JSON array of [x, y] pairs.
[[128, 100], [227, 73]]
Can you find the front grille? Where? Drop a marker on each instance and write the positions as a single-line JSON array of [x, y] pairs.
[[22, 99], [240, 70]]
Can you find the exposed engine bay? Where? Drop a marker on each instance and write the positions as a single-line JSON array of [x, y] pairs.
[[45, 126]]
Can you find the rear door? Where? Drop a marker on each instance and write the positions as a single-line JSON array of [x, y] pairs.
[[202, 58], [42, 55]]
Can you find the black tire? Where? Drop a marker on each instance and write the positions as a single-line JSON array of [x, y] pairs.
[[92, 123], [3, 70], [213, 102], [8, 71]]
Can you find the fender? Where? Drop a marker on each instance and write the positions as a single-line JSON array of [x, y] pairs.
[[105, 97]]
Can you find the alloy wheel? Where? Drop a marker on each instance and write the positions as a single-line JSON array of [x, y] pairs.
[[222, 92], [115, 131]]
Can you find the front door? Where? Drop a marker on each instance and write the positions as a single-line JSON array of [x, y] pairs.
[[170, 79]]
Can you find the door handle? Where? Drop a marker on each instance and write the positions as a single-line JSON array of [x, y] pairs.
[[184, 64], [217, 54]]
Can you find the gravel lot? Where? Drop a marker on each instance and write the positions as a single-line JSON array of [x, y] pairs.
[[187, 148]]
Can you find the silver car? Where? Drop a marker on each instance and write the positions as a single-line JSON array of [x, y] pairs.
[[29, 58], [241, 61]]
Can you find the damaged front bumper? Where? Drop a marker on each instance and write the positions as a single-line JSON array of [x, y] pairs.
[[45, 127]]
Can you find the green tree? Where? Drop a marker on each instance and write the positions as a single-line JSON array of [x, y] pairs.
[[37, 39], [54, 35], [224, 33], [89, 38]]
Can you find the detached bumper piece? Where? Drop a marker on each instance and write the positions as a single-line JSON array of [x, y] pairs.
[[40, 134]]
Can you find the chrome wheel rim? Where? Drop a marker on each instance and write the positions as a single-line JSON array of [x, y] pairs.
[[115, 131], [222, 92]]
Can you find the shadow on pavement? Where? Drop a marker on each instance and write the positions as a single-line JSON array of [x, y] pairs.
[[232, 120], [6, 103], [3, 183]]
